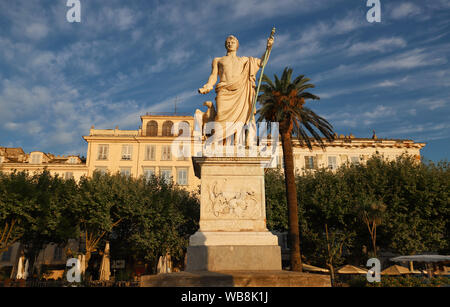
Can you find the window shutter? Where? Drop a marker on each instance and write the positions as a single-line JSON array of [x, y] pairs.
[[152, 152]]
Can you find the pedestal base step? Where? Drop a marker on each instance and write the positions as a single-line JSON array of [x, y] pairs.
[[237, 279], [233, 257]]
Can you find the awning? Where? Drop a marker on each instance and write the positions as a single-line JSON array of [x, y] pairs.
[[312, 268], [396, 270], [422, 258], [351, 269]]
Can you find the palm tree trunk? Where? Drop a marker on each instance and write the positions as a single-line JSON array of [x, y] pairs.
[[291, 196], [374, 239]]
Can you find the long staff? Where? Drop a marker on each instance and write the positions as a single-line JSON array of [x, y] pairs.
[[266, 58]]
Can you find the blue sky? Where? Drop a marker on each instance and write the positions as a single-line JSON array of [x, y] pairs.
[[126, 58]]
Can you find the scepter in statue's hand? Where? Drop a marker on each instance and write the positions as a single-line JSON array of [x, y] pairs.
[[264, 63]]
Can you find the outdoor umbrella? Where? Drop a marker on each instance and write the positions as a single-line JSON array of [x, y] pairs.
[[351, 269], [20, 267], [25, 270], [164, 264], [105, 271], [312, 268], [82, 261], [423, 258], [396, 270]]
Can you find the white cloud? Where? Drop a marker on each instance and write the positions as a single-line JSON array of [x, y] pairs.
[[380, 112], [356, 117], [313, 41], [125, 18], [11, 126], [266, 8], [36, 31], [433, 104], [405, 9], [33, 128], [406, 60], [387, 83], [381, 45], [419, 128]]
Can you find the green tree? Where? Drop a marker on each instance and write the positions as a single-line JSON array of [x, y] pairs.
[[415, 196], [162, 222], [276, 208], [325, 202], [371, 212], [336, 241], [13, 208], [42, 198], [96, 210], [283, 101]]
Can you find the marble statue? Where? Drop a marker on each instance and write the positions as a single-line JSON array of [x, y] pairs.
[[235, 90]]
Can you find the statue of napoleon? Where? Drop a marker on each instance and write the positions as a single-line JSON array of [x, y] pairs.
[[235, 91]]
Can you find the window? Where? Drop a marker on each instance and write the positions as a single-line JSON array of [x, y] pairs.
[[150, 152], [125, 171], [6, 256], [166, 174], [355, 160], [167, 129], [127, 152], [36, 158], [332, 163], [58, 253], [166, 152], [182, 176], [103, 151], [149, 172], [68, 175], [310, 162], [152, 128], [101, 169]]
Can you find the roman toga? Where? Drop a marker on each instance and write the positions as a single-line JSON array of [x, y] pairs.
[[234, 101]]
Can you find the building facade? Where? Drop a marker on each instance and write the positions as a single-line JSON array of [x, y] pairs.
[[155, 149]]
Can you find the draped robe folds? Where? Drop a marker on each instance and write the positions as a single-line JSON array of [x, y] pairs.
[[234, 102]]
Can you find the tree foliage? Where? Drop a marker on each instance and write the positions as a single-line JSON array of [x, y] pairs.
[[415, 198], [144, 218]]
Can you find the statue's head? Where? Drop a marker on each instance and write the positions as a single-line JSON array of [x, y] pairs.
[[231, 39]]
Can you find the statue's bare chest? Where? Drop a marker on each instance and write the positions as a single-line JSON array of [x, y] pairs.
[[231, 66]]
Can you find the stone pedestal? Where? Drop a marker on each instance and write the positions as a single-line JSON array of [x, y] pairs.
[[233, 233]]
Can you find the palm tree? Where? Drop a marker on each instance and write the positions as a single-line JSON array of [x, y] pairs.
[[283, 102]]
